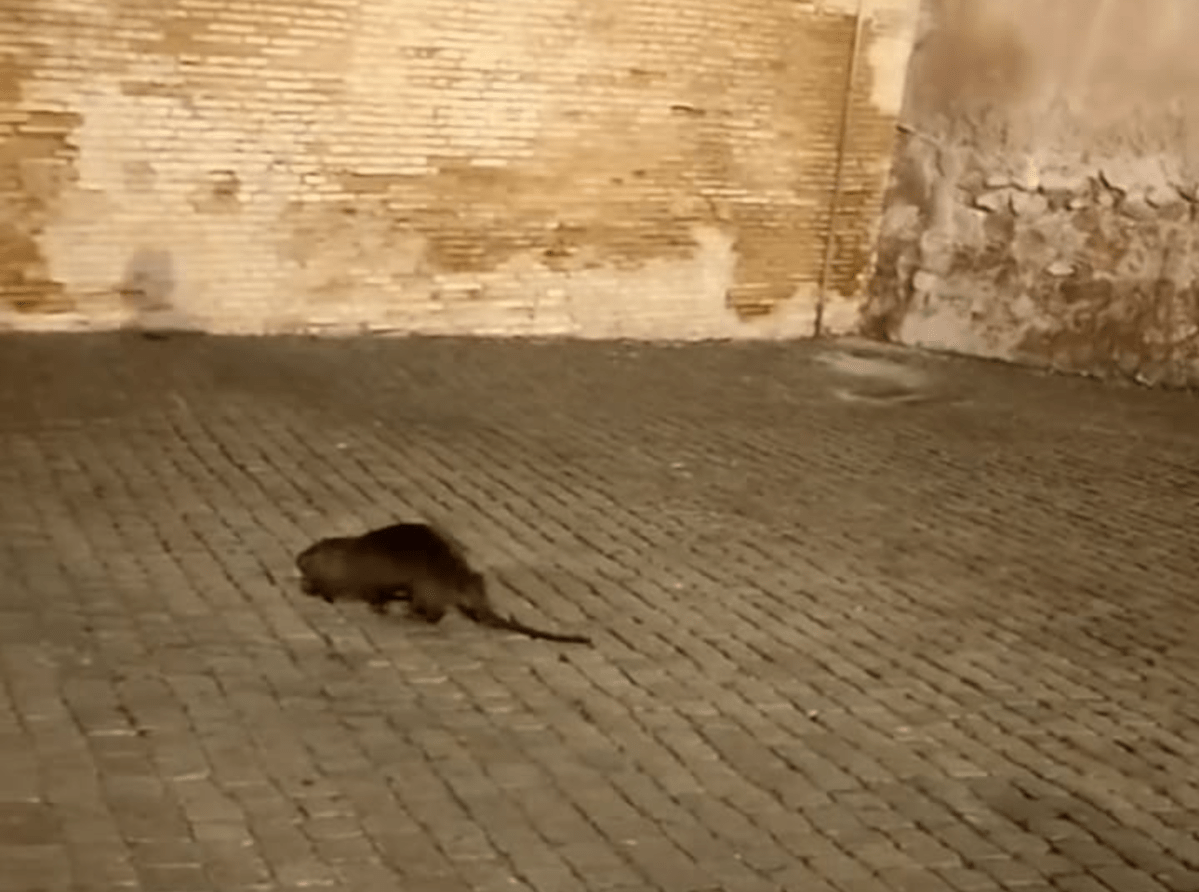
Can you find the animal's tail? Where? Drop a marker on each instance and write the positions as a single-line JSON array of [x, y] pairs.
[[488, 617]]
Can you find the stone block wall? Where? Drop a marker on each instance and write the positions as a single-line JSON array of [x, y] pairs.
[[1043, 202], [656, 168]]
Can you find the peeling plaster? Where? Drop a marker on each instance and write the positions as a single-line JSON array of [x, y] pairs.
[[893, 24], [1039, 210]]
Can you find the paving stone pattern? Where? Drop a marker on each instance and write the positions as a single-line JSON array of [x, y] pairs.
[[948, 643]]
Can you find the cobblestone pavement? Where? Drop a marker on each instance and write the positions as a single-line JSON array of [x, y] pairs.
[[927, 632]]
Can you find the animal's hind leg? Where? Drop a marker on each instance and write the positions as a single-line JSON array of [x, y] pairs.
[[474, 614], [430, 613], [425, 605], [380, 599]]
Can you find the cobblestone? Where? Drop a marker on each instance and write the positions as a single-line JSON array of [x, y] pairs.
[[942, 643]]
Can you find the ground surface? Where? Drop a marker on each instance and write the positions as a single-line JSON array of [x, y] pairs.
[[934, 630]]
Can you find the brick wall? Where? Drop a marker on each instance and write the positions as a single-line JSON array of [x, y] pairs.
[[631, 167]]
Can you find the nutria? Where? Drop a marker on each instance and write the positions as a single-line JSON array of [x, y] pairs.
[[414, 562]]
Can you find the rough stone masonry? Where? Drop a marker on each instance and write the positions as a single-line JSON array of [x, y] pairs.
[[1043, 201]]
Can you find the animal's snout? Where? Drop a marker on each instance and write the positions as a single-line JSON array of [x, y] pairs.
[[304, 558], [304, 564]]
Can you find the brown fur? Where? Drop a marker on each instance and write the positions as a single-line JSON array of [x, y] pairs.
[[406, 561]]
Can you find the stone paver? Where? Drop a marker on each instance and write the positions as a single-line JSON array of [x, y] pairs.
[[843, 643]]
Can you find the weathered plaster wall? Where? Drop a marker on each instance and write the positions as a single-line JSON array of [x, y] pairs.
[[631, 167], [1042, 206]]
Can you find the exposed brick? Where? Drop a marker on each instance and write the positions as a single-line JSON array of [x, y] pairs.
[[644, 169]]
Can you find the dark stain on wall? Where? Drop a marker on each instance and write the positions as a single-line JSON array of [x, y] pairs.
[[219, 193], [149, 281], [37, 163]]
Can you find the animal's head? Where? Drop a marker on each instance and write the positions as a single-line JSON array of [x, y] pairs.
[[305, 559], [314, 564]]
